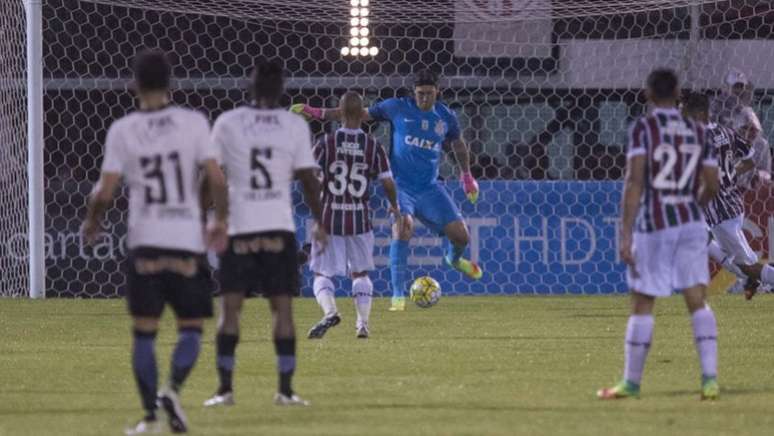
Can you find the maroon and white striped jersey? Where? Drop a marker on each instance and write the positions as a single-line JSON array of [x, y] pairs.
[[731, 148], [675, 150], [349, 159]]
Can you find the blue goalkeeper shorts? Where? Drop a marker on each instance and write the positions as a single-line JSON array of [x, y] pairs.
[[433, 207]]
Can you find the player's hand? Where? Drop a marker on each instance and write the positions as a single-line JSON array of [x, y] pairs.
[[216, 236], [90, 230], [627, 255], [320, 237], [470, 186], [306, 111]]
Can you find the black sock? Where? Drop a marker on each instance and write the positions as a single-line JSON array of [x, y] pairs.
[[225, 348], [145, 371], [286, 363], [185, 354]]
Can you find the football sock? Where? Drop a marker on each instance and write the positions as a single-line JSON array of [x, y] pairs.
[[225, 348], [718, 255], [705, 333], [767, 274], [639, 332], [362, 289], [324, 293], [453, 252], [286, 363], [184, 357], [145, 371], [398, 264]]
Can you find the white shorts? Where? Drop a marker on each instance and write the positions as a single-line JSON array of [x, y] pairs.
[[344, 255], [732, 240], [668, 260]]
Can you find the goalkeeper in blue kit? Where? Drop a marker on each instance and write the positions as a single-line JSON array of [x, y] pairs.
[[420, 126]]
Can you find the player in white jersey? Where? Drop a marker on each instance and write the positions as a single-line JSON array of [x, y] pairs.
[[159, 152], [725, 213], [671, 173], [263, 149], [349, 159]]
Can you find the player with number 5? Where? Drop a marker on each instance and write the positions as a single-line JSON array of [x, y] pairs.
[[421, 125]]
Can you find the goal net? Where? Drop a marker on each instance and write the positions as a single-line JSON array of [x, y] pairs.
[[544, 91]]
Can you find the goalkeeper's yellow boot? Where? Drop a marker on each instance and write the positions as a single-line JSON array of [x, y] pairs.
[[710, 390], [470, 269], [623, 389], [398, 304]]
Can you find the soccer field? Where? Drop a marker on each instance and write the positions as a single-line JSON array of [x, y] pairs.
[[469, 366]]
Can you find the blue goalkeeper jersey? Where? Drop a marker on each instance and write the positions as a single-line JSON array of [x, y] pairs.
[[417, 139]]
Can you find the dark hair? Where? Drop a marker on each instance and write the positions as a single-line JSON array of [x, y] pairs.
[[151, 70], [696, 102], [267, 82], [426, 77], [662, 84]]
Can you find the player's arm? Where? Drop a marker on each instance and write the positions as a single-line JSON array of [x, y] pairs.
[[215, 184], [305, 171], [322, 114], [99, 202], [630, 204], [462, 155], [110, 178], [710, 175]]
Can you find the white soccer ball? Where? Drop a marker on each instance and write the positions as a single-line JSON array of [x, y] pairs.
[[425, 292]]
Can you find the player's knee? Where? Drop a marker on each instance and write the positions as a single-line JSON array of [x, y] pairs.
[[458, 233], [190, 323], [146, 325], [362, 285], [322, 284]]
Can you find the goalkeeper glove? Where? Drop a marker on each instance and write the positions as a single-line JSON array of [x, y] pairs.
[[470, 186], [306, 111]]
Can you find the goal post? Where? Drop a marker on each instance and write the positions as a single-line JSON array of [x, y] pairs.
[[36, 210]]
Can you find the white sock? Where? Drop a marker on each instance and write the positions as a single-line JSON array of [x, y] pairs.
[[639, 332], [362, 289], [767, 275], [715, 252], [718, 255], [325, 293], [705, 333]]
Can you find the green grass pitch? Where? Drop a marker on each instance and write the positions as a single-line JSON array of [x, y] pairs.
[[469, 366]]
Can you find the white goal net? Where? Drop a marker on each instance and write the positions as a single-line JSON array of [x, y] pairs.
[[544, 91]]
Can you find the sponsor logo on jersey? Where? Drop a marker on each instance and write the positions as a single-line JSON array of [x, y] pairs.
[[421, 143], [425, 125], [440, 128]]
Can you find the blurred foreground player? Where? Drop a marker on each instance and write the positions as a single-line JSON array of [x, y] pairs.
[[421, 125], [159, 151], [671, 174], [349, 159], [263, 148]]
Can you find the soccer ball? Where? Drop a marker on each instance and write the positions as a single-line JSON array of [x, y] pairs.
[[425, 292]]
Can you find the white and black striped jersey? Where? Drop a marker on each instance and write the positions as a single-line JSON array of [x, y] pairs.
[[675, 151], [730, 148], [158, 153]]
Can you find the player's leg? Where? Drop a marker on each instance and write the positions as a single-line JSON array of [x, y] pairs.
[[437, 210], [648, 279], [729, 236], [763, 273], [399, 251], [146, 304], [691, 274], [233, 288], [360, 255], [284, 334], [325, 265], [362, 292]]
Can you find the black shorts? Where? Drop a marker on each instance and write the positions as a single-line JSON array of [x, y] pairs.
[[264, 262], [157, 276]]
